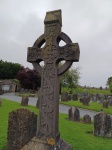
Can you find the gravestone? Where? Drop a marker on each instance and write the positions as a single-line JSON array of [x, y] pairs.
[[105, 103], [69, 97], [51, 53], [102, 125], [94, 99], [74, 114], [0, 102], [64, 96], [86, 119], [75, 97], [24, 101], [85, 100], [22, 125], [110, 100]]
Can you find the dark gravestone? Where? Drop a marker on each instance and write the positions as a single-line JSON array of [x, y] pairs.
[[75, 97], [64, 96], [85, 100], [0, 102], [102, 125], [69, 97], [81, 99], [94, 99], [24, 101], [105, 104], [86, 119], [1, 91], [110, 100], [22, 125], [51, 53], [74, 114]]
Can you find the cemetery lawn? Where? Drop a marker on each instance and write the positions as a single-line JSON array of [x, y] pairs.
[[79, 135], [92, 106]]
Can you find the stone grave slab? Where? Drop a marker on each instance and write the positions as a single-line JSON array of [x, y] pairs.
[[22, 125]]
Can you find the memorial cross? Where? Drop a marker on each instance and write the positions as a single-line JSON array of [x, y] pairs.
[[51, 53]]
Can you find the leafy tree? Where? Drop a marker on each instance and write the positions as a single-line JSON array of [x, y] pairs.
[[109, 83], [29, 78], [71, 78], [8, 70]]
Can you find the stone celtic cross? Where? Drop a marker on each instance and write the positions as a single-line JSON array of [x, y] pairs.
[[51, 54]]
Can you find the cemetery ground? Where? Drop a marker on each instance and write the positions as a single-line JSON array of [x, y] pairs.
[[92, 106], [78, 134]]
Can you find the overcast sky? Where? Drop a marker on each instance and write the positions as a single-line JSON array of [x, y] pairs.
[[88, 22]]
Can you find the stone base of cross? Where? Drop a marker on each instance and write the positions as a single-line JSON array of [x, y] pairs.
[[46, 48], [37, 144]]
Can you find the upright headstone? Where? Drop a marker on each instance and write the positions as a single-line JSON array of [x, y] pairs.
[[110, 100], [85, 100], [94, 99], [75, 97], [74, 114], [86, 119], [64, 96], [105, 103], [24, 101], [102, 125], [22, 125], [51, 53]]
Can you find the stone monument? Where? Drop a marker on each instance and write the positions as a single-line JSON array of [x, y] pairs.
[[103, 125], [22, 125], [51, 53]]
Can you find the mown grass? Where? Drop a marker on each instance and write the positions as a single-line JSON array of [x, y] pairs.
[[77, 134], [92, 106]]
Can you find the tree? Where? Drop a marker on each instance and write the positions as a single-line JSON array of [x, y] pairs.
[[71, 78], [109, 83], [8, 70], [29, 78]]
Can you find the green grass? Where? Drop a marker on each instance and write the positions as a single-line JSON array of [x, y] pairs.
[[89, 91], [77, 134], [92, 106], [8, 106]]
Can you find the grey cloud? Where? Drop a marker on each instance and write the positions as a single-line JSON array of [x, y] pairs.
[[87, 22]]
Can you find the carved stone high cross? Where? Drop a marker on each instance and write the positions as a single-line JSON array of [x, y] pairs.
[[51, 54]]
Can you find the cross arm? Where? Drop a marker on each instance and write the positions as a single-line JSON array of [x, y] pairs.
[[70, 52], [34, 54]]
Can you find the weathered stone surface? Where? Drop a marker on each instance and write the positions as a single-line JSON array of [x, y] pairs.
[[36, 144], [64, 96], [85, 100], [105, 104], [86, 119], [110, 100], [0, 102], [22, 125], [24, 101], [69, 97], [74, 97], [51, 53], [102, 125], [74, 114], [94, 99]]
